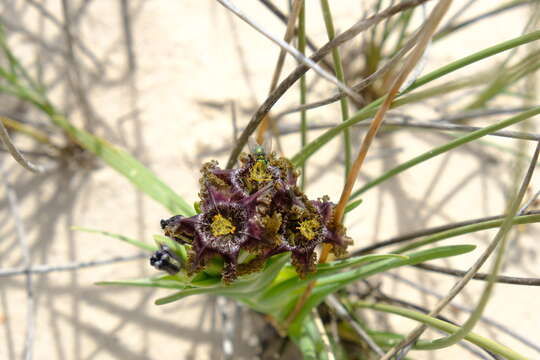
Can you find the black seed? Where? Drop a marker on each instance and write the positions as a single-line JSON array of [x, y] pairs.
[[163, 223], [164, 260]]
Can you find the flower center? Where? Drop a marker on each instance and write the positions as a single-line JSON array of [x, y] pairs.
[[309, 228], [221, 226], [259, 173]]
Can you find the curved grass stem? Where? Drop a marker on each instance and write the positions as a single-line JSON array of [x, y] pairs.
[[444, 148], [6, 140], [499, 240], [424, 38], [340, 74], [503, 239], [444, 326]]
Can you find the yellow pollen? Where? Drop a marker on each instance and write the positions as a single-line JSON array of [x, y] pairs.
[[221, 226], [259, 173], [309, 228]]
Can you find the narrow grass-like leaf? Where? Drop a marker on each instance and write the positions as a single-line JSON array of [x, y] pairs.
[[280, 297], [137, 243], [353, 205], [333, 283], [371, 109], [340, 74], [242, 288], [334, 266], [127, 165], [527, 219], [506, 76], [444, 326], [159, 282], [446, 147], [384, 339]]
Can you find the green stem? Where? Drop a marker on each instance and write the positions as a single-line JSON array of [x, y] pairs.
[[505, 77], [338, 66], [506, 45], [449, 146], [467, 229], [370, 109], [502, 240], [27, 130], [444, 326]]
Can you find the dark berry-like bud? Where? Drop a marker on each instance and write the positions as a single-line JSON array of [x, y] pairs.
[[163, 224], [164, 259]]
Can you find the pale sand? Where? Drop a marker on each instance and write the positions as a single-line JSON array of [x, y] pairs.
[[186, 52]]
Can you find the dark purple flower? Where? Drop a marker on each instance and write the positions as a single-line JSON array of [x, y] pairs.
[[225, 227], [256, 208], [334, 234]]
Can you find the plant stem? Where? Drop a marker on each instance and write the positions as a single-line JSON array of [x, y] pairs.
[[289, 34], [423, 40], [445, 326], [502, 237], [442, 149], [6, 140], [338, 66], [347, 35], [27, 130]]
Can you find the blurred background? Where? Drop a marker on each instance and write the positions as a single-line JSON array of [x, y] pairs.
[[161, 79]]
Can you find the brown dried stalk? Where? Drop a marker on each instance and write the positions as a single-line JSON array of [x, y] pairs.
[[286, 83], [423, 39], [289, 34]]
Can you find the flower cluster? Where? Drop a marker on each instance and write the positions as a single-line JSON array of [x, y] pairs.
[[250, 213]]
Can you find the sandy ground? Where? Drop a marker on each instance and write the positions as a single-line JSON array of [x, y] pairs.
[[160, 85]]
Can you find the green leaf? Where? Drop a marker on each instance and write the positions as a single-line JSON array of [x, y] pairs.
[[178, 249], [167, 282], [244, 288], [483, 342], [371, 109], [446, 147], [352, 205], [144, 179], [137, 243], [309, 341], [336, 266], [279, 299]]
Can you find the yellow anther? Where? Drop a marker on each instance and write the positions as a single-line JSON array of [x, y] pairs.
[[309, 228], [259, 173], [221, 226]]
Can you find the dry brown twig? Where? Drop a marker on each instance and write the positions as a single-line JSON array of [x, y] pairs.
[[423, 39], [459, 285], [291, 50], [286, 83], [6, 140], [289, 34]]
